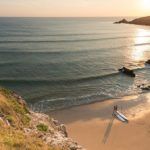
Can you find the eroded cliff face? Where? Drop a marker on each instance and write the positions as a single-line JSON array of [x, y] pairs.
[[21, 128]]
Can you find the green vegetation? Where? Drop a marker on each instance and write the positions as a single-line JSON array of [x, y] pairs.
[[42, 127], [16, 139], [13, 136], [14, 111], [10, 119]]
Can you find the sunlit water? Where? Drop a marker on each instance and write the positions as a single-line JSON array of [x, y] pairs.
[[62, 62]]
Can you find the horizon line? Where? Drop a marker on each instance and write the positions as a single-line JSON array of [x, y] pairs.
[[64, 16]]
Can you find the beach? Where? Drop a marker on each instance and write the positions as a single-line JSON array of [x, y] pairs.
[[94, 127]]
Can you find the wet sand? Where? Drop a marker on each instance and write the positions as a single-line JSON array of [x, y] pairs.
[[94, 127]]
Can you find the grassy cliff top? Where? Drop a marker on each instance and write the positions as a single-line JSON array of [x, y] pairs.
[[23, 129], [14, 117]]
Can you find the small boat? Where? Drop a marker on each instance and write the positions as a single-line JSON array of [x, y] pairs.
[[127, 71], [120, 116]]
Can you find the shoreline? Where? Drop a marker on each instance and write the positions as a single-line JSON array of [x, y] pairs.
[[94, 128]]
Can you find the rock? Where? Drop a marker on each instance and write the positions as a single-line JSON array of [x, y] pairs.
[[1, 115], [147, 62], [19, 99], [51, 131], [127, 71], [55, 122], [40, 135], [63, 129], [144, 87], [48, 139], [27, 130], [121, 21], [7, 123], [75, 146]]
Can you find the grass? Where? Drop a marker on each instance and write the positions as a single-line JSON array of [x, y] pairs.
[[10, 119], [14, 111], [16, 139], [17, 114], [42, 127]]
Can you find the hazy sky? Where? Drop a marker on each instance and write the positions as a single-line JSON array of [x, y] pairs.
[[76, 8]]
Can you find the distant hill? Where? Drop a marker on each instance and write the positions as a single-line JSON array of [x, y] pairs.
[[138, 21]]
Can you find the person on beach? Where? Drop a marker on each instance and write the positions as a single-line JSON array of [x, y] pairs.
[[115, 108]]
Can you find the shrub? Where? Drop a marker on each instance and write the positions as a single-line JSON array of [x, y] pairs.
[[10, 119], [42, 127]]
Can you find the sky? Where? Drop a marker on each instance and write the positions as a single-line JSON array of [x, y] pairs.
[[74, 8]]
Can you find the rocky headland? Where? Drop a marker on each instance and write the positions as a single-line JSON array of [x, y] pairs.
[[138, 21]]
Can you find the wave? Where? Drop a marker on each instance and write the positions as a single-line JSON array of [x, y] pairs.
[[67, 41], [47, 105], [60, 41], [66, 81], [58, 52], [63, 35], [53, 104], [53, 35], [13, 50], [63, 41], [66, 102], [141, 44]]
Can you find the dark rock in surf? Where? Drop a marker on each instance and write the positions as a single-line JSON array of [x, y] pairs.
[[127, 71], [121, 21], [144, 87], [147, 62]]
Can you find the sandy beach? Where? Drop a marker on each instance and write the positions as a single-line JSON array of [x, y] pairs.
[[94, 128]]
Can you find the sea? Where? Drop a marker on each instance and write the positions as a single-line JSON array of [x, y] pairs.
[[58, 63]]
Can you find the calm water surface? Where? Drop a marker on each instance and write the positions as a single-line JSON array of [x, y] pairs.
[[61, 62]]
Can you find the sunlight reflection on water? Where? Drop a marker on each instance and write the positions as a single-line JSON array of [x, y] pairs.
[[138, 53]]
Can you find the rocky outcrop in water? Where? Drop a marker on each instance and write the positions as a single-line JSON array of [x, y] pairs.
[[147, 62], [121, 21]]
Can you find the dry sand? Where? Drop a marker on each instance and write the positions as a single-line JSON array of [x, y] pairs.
[[94, 128]]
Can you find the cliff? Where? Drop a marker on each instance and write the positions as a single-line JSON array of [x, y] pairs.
[[138, 21], [21, 128]]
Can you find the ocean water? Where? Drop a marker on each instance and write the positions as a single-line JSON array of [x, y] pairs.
[[57, 63]]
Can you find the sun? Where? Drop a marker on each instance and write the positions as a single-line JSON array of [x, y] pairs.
[[145, 4]]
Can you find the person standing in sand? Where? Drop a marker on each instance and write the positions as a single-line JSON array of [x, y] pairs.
[[115, 108]]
